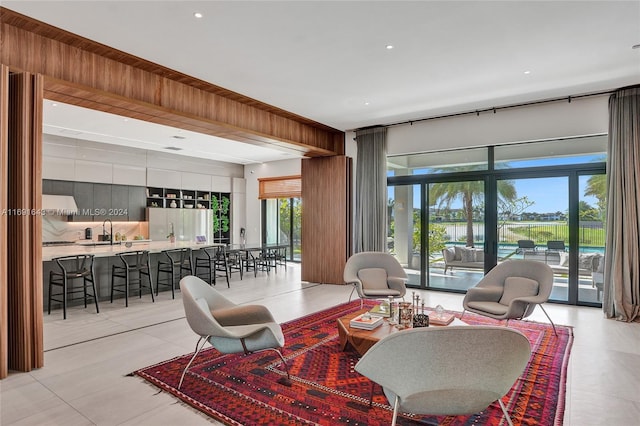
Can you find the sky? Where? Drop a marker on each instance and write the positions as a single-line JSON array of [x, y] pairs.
[[549, 195]]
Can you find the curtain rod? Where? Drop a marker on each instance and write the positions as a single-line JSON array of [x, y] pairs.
[[492, 109]]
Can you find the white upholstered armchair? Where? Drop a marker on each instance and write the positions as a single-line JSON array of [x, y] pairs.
[[375, 275], [450, 370], [511, 290], [228, 327]]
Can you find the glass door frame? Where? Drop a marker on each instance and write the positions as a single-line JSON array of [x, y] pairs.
[[490, 178], [264, 221]]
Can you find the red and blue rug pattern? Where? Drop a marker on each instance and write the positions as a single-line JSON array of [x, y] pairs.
[[325, 390]]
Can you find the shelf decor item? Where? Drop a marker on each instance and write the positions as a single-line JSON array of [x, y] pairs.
[[172, 235], [405, 315], [366, 321]]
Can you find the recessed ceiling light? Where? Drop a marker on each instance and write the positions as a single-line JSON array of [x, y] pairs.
[[389, 46], [197, 15], [54, 105], [366, 103], [636, 46], [173, 148], [527, 72], [178, 137]]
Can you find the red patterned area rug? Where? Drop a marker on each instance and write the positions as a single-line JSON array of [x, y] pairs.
[[325, 390]]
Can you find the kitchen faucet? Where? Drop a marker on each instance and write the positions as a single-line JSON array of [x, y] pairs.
[[111, 230]]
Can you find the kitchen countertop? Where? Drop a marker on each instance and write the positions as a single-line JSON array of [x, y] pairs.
[[106, 250]]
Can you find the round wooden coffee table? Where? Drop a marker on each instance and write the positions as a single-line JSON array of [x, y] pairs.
[[361, 340]]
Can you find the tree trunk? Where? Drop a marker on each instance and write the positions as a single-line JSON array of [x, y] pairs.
[[468, 208]]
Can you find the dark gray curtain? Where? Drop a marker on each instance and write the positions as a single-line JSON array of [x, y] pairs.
[[622, 259], [371, 190]]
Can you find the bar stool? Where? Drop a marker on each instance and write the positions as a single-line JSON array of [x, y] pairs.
[[71, 268], [171, 261], [215, 262], [235, 262], [132, 261]]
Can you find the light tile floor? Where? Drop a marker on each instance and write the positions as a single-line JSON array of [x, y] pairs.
[[88, 356]]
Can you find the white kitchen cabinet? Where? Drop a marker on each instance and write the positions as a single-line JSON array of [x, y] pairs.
[[164, 178], [93, 171], [129, 175], [196, 181], [220, 184], [187, 223], [239, 185], [58, 168]]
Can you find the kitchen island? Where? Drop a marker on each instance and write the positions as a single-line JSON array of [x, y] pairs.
[[105, 255], [105, 249]]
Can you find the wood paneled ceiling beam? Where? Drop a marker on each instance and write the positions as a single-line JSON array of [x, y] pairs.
[[89, 74]]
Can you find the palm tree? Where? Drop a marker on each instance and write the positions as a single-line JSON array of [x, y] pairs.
[[597, 187], [471, 193]]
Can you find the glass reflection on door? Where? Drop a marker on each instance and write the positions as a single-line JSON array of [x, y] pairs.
[[455, 251], [533, 224], [591, 237], [403, 229]]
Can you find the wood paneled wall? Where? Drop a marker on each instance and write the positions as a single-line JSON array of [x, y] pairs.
[[24, 223], [85, 73], [4, 179], [326, 218]]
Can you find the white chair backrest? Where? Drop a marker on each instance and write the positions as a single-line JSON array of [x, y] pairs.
[[532, 269], [198, 314], [486, 360], [372, 259]]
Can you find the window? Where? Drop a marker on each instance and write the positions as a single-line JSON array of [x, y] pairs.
[[548, 192]]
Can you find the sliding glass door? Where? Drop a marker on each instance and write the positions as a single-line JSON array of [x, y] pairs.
[[455, 240], [591, 237], [454, 215], [404, 229], [282, 224], [534, 225]]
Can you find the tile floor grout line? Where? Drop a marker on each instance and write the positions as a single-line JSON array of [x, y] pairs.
[[153, 325], [113, 334]]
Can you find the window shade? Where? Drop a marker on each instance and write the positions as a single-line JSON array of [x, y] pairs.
[[280, 187]]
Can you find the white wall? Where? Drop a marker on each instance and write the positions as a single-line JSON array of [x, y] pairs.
[[251, 174], [585, 116]]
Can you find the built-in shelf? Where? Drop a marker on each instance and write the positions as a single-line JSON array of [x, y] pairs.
[[219, 202], [178, 198]]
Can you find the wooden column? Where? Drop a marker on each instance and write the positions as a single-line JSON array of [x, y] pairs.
[[24, 223], [4, 144], [326, 218]]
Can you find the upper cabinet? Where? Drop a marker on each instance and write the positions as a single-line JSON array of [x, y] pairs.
[[164, 178], [93, 171], [99, 201], [197, 181]]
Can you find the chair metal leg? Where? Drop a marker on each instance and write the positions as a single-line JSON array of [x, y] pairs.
[[506, 414], [351, 294], [284, 363], [463, 312], [549, 318], [193, 357], [148, 274], [396, 404]]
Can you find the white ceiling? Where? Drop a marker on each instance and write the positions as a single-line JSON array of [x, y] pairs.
[[328, 61]]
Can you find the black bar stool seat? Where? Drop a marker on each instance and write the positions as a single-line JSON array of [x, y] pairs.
[[172, 261], [72, 268], [129, 263], [214, 261]]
